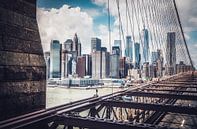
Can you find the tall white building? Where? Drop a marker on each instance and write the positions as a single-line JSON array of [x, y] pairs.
[[74, 67], [105, 64], [96, 65], [66, 67]]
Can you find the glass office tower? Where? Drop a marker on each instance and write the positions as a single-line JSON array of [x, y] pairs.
[[55, 61]]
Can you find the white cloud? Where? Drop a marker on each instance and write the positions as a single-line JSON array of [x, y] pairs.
[[187, 37], [193, 20], [188, 14], [92, 12], [99, 2], [63, 23]]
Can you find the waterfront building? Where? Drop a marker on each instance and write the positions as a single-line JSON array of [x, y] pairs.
[[81, 82], [153, 70], [47, 60], [122, 67], [181, 67], [129, 49], [134, 73], [171, 54], [114, 66], [145, 71], [55, 60], [145, 45], [68, 70], [105, 64], [81, 66], [160, 67], [95, 44], [63, 64], [96, 65], [137, 57], [88, 68], [74, 67]]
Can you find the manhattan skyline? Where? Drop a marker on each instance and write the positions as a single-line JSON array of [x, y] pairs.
[[57, 14]]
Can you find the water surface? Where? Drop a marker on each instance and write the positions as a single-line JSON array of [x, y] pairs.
[[60, 95]]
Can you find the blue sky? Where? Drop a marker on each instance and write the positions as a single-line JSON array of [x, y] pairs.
[[97, 10], [83, 4], [59, 3]]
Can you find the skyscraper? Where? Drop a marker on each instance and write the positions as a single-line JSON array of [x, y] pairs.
[[64, 64], [105, 64], [69, 59], [75, 43], [155, 55], [137, 57], [114, 62], [171, 54], [68, 45], [153, 70], [114, 66], [88, 68], [145, 70], [79, 49], [122, 67], [74, 67], [47, 60], [145, 45], [129, 49], [96, 65], [103, 49], [81, 66], [55, 61], [116, 50], [160, 67], [95, 44], [117, 43]]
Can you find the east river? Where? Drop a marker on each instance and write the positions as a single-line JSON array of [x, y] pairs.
[[60, 95]]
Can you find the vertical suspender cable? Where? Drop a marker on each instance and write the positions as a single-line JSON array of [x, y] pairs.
[[109, 27], [109, 36]]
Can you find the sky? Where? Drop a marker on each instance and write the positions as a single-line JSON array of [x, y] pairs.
[[61, 19]]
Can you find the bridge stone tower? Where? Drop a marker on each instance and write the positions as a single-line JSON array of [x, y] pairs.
[[22, 65]]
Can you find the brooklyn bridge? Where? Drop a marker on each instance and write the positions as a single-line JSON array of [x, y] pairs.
[[165, 103]]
